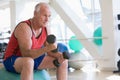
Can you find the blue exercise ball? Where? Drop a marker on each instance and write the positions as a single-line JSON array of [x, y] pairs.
[[75, 44], [97, 33], [38, 75], [62, 47]]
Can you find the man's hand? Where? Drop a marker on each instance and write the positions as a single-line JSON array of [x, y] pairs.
[[50, 47]]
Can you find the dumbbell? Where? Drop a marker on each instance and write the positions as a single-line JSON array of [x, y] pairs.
[[52, 39], [118, 64], [66, 55]]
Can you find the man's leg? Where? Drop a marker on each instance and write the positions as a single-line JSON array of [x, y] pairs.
[[62, 71], [24, 66]]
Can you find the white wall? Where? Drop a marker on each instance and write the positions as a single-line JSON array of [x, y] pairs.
[[116, 11]]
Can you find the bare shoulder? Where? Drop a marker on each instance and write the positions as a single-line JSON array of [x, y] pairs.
[[23, 30]]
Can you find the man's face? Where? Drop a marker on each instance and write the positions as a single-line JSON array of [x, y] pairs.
[[43, 16]]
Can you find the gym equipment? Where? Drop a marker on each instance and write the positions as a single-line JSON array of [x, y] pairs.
[[56, 63], [62, 47], [3, 47], [51, 39], [118, 26], [118, 16], [118, 64], [77, 60], [2, 50], [98, 33], [38, 75], [66, 55], [75, 44]]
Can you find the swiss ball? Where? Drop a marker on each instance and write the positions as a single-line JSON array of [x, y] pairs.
[[62, 47], [75, 44], [97, 33], [79, 63], [38, 75]]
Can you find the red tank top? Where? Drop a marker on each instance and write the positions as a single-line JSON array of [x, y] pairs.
[[13, 47]]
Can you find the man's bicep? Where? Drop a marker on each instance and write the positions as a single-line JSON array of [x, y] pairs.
[[24, 45], [23, 36]]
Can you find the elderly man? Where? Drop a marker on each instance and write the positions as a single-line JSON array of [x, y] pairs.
[[27, 47]]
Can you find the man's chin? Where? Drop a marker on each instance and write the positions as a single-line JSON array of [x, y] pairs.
[[44, 24]]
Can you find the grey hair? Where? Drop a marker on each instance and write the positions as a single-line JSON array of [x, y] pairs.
[[38, 6]]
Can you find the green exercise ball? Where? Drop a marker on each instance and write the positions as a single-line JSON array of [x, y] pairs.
[[75, 44], [38, 75], [98, 33]]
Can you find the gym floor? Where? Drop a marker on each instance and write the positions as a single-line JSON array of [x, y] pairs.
[[80, 75], [86, 73]]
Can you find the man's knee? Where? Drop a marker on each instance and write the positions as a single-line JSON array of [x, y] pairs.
[[28, 62], [23, 63], [65, 62]]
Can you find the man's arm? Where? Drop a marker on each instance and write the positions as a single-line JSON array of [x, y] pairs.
[[23, 34]]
